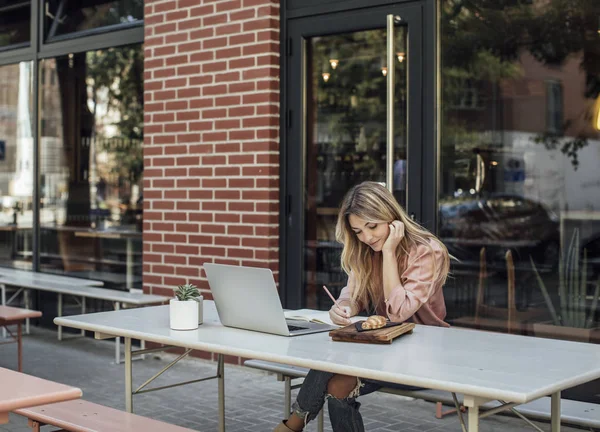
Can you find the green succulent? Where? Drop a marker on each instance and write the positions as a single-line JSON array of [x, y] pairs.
[[187, 292]]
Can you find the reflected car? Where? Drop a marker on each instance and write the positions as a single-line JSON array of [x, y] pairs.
[[500, 222]]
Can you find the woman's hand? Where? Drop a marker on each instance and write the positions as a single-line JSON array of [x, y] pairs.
[[395, 236], [340, 315]]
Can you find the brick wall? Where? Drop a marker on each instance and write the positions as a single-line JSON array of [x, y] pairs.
[[211, 138]]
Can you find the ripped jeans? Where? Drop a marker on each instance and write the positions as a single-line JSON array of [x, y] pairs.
[[343, 413]]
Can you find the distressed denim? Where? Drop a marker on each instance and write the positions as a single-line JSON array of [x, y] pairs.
[[343, 413]]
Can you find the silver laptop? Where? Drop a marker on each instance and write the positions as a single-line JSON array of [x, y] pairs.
[[247, 298]]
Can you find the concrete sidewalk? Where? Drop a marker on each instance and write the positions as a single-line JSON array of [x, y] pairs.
[[254, 400]]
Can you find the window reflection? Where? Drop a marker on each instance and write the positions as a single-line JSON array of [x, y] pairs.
[[16, 165], [68, 16], [520, 190], [91, 165], [14, 23]]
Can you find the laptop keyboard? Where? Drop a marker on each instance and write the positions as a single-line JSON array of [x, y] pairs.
[[294, 328]]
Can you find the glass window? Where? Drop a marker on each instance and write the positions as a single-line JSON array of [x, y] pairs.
[[520, 144], [15, 19], [69, 16], [16, 165], [91, 165]]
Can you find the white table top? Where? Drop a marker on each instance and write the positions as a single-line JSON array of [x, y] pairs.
[[85, 291], [475, 363], [19, 390], [33, 277]]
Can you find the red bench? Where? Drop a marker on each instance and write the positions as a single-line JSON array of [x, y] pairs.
[[83, 416], [16, 316]]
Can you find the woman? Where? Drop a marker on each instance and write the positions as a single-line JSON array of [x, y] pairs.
[[395, 269]]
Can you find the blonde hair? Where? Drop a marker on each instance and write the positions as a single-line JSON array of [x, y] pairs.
[[373, 202]]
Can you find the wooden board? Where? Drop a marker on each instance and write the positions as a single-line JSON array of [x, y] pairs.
[[379, 336]]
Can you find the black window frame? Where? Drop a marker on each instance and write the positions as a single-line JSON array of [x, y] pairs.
[[37, 50]]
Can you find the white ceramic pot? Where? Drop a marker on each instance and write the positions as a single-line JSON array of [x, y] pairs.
[[183, 315]]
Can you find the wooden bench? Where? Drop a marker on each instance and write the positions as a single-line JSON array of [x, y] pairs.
[[15, 316], [83, 416], [574, 413], [40, 282]]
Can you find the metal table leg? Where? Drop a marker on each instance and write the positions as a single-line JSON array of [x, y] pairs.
[[555, 412], [117, 306], [128, 377], [221, 381]]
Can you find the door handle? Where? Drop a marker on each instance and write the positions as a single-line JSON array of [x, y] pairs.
[[390, 101]]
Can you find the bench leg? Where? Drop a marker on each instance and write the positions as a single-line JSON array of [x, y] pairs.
[[3, 296], [117, 307], [82, 312], [59, 313], [35, 426], [19, 347], [128, 377], [287, 396], [26, 297], [221, 381], [555, 412]]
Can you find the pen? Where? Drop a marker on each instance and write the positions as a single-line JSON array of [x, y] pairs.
[[331, 297]]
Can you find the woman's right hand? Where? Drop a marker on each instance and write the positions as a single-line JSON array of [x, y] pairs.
[[339, 315]]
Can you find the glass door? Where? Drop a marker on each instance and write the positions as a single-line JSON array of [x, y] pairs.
[[354, 99]]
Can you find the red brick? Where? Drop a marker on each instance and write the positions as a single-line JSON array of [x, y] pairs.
[[228, 5], [166, 6], [227, 77], [227, 124], [242, 39], [212, 20], [219, 66], [230, 52], [227, 218], [227, 171], [189, 24], [240, 253], [226, 241], [175, 259], [229, 29], [241, 159], [242, 135], [241, 206], [189, 183], [214, 183], [261, 24], [202, 56], [242, 63], [214, 160], [243, 14], [227, 148], [191, 46], [241, 183]]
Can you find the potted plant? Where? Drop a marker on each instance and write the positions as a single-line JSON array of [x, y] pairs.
[[184, 309], [570, 318]]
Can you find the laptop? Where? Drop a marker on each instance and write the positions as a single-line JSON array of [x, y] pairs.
[[247, 298]]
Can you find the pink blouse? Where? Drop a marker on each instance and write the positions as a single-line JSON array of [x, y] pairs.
[[417, 298]]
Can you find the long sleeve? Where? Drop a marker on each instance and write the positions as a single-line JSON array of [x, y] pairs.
[[417, 287], [345, 297]]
